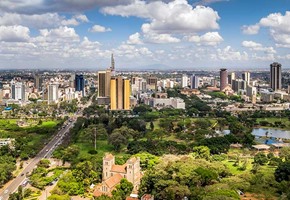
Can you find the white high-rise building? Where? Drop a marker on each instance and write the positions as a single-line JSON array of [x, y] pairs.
[[52, 93], [18, 91], [231, 77], [246, 77], [184, 81]]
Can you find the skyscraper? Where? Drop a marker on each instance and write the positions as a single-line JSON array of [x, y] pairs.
[[194, 82], [18, 91], [80, 83], [184, 81], [104, 78], [152, 82], [52, 92], [246, 76], [275, 76], [231, 77], [38, 82], [223, 78], [120, 93]]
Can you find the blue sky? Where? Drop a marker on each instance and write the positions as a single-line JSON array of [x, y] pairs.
[[144, 34]]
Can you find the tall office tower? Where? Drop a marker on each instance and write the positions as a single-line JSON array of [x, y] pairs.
[[38, 82], [72, 80], [101, 83], [251, 91], [231, 77], [104, 78], [194, 82], [1, 95], [246, 76], [184, 81], [80, 83], [152, 82], [18, 91], [143, 86], [275, 76], [137, 85], [223, 78], [120, 93], [113, 65], [52, 93], [238, 85]]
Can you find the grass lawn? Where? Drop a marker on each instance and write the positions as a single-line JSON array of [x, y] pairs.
[[266, 169], [102, 148], [272, 120], [49, 124]]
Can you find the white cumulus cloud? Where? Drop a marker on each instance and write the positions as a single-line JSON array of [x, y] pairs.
[[258, 47], [134, 39], [279, 27], [251, 30], [174, 17], [99, 28], [47, 20], [210, 39], [14, 33]]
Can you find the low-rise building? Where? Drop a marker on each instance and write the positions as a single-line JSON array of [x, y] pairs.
[[176, 103], [7, 141]]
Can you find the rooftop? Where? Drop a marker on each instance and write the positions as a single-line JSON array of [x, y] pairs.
[[113, 180]]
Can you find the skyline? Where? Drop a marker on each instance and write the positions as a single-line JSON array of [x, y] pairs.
[[151, 34]]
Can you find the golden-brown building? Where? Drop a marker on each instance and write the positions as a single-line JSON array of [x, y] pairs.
[[104, 78], [120, 93]]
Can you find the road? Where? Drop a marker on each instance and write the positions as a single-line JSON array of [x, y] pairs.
[[46, 152]]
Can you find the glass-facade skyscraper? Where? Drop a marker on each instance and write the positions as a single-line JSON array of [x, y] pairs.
[[80, 83]]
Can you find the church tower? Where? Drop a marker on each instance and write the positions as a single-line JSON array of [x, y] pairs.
[[108, 162]]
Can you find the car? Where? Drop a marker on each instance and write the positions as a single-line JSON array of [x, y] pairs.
[[1, 198], [22, 174], [46, 150], [6, 191]]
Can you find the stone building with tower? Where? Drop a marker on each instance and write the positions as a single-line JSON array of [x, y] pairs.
[[112, 175]]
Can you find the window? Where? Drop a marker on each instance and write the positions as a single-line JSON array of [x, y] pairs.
[[106, 163], [111, 174]]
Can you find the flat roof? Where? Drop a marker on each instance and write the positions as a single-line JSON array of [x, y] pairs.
[[278, 145], [261, 146]]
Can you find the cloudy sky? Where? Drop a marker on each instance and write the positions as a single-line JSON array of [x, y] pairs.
[[142, 34]]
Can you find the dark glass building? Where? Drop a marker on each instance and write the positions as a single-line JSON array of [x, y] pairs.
[[80, 83]]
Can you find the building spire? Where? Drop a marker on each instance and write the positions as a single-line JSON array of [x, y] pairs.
[[112, 62]]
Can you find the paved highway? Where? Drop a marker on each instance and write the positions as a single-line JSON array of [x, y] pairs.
[[46, 152]]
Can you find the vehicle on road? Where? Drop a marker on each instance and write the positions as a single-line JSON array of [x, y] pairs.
[[6, 191], [24, 183], [22, 174]]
